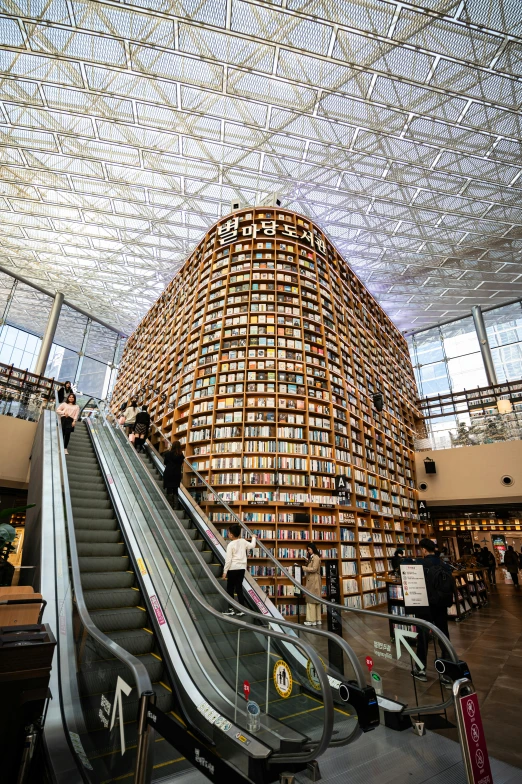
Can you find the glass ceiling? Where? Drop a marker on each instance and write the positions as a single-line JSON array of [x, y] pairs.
[[126, 129]]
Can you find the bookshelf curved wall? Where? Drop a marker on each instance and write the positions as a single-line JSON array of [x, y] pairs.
[[262, 357]]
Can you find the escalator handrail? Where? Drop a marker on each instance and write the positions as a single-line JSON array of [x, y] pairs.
[[309, 651], [340, 641], [139, 671], [357, 610]]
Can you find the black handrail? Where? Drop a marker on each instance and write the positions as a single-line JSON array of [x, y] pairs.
[[309, 651]]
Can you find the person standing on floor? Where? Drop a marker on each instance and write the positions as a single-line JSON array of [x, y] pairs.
[[396, 559], [141, 428], [173, 461], [440, 590], [312, 570], [63, 391], [235, 565], [69, 413], [511, 564], [131, 412]]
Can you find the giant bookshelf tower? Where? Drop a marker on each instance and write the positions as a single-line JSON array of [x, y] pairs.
[[262, 357]]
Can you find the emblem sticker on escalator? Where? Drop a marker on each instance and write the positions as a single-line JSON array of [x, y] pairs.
[[282, 679], [312, 674]]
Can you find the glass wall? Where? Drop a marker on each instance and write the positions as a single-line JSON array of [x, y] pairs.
[[448, 359], [84, 351]]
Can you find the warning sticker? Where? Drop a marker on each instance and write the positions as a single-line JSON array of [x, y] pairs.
[[282, 679], [312, 674]]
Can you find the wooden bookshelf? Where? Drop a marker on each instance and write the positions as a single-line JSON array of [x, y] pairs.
[[261, 357]]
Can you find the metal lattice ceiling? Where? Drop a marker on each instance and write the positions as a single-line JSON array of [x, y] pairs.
[[127, 128]]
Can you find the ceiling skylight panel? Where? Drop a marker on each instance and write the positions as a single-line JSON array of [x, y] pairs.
[[446, 38], [300, 172], [230, 49], [49, 121], [416, 99], [63, 163], [360, 113], [177, 165], [508, 150], [272, 91], [424, 178], [477, 168], [493, 120], [87, 103], [10, 33], [280, 27], [138, 137], [46, 69], [212, 12], [20, 90], [384, 56], [178, 122], [322, 73], [370, 15], [29, 175], [394, 148], [131, 85], [176, 67], [143, 178], [463, 139], [219, 153], [22, 137], [108, 189], [484, 86], [130, 25], [21, 219], [504, 16], [218, 105], [310, 127], [99, 150], [79, 46]]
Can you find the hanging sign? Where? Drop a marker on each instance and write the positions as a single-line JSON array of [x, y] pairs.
[[342, 489], [282, 679], [246, 689], [369, 663]]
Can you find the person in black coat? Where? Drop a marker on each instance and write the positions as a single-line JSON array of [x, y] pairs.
[[141, 428], [173, 460], [64, 391]]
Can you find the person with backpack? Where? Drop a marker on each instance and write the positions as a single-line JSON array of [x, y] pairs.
[[440, 590], [511, 564]]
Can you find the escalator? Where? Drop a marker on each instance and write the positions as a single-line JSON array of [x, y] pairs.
[[142, 642], [116, 606]]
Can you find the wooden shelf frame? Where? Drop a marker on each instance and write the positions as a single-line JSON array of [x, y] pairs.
[[262, 357]]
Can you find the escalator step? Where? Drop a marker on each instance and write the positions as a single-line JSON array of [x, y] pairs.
[[135, 641], [88, 492], [119, 619], [87, 535], [90, 504], [107, 564], [110, 598], [102, 549], [100, 580], [97, 518], [101, 675]]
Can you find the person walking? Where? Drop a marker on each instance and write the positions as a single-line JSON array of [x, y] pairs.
[[131, 412], [141, 428], [173, 461], [64, 390], [235, 565], [69, 413], [440, 590], [520, 559], [489, 562], [312, 571], [511, 564]]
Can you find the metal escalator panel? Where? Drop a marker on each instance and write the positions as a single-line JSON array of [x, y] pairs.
[[92, 732], [117, 608], [218, 659]]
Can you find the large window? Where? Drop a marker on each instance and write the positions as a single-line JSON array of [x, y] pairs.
[[84, 351], [448, 358]]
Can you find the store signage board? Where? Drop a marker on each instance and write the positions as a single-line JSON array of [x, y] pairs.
[[414, 585], [475, 740], [342, 488]]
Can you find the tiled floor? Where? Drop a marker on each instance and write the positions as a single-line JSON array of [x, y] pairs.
[[490, 641]]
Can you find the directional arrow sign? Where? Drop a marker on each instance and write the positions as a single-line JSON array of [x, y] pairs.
[[117, 709], [400, 635]]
